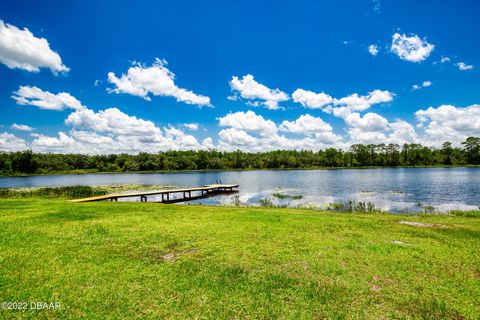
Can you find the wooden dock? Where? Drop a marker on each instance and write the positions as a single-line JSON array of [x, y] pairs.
[[201, 192]]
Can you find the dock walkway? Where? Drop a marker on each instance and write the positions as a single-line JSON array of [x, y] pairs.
[[204, 191]]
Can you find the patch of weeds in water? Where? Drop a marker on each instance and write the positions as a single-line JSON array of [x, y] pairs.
[[309, 206], [405, 211], [429, 209], [266, 202], [367, 192], [287, 196], [236, 200], [426, 209], [335, 206], [353, 205]]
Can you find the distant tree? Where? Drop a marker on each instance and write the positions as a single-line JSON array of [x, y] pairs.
[[447, 151], [23, 162], [472, 147]]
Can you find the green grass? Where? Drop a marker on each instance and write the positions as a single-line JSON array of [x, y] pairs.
[[72, 192], [144, 260], [53, 192]]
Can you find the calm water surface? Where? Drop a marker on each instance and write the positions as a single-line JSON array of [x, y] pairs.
[[392, 189]]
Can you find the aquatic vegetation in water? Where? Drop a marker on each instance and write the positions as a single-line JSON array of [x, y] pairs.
[[287, 196], [335, 206], [367, 192], [266, 202], [353, 205], [236, 200], [309, 206], [426, 209]]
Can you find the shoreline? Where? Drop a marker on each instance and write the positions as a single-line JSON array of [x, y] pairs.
[[347, 206], [78, 172]]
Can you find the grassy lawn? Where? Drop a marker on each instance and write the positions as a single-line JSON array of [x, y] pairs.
[[145, 260]]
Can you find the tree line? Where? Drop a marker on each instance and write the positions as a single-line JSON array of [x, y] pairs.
[[359, 155]]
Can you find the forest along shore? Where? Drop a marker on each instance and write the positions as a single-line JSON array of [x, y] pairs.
[[359, 155]]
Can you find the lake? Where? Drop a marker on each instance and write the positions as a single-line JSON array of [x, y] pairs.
[[390, 189]]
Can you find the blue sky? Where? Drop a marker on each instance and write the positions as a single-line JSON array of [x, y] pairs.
[[248, 75]]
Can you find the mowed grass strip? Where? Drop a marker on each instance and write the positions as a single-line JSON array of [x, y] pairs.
[[144, 260]]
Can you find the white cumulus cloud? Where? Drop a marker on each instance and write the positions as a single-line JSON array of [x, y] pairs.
[[411, 48], [112, 131], [260, 94], [192, 126], [353, 102], [450, 123], [310, 99], [10, 142], [444, 59], [109, 131], [463, 66], [21, 127], [251, 132], [112, 120], [356, 102], [34, 96], [424, 84], [374, 129], [248, 121], [402, 132], [369, 122], [20, 49], [306, 124], [236, 138], [373, 49], [157, 80]]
